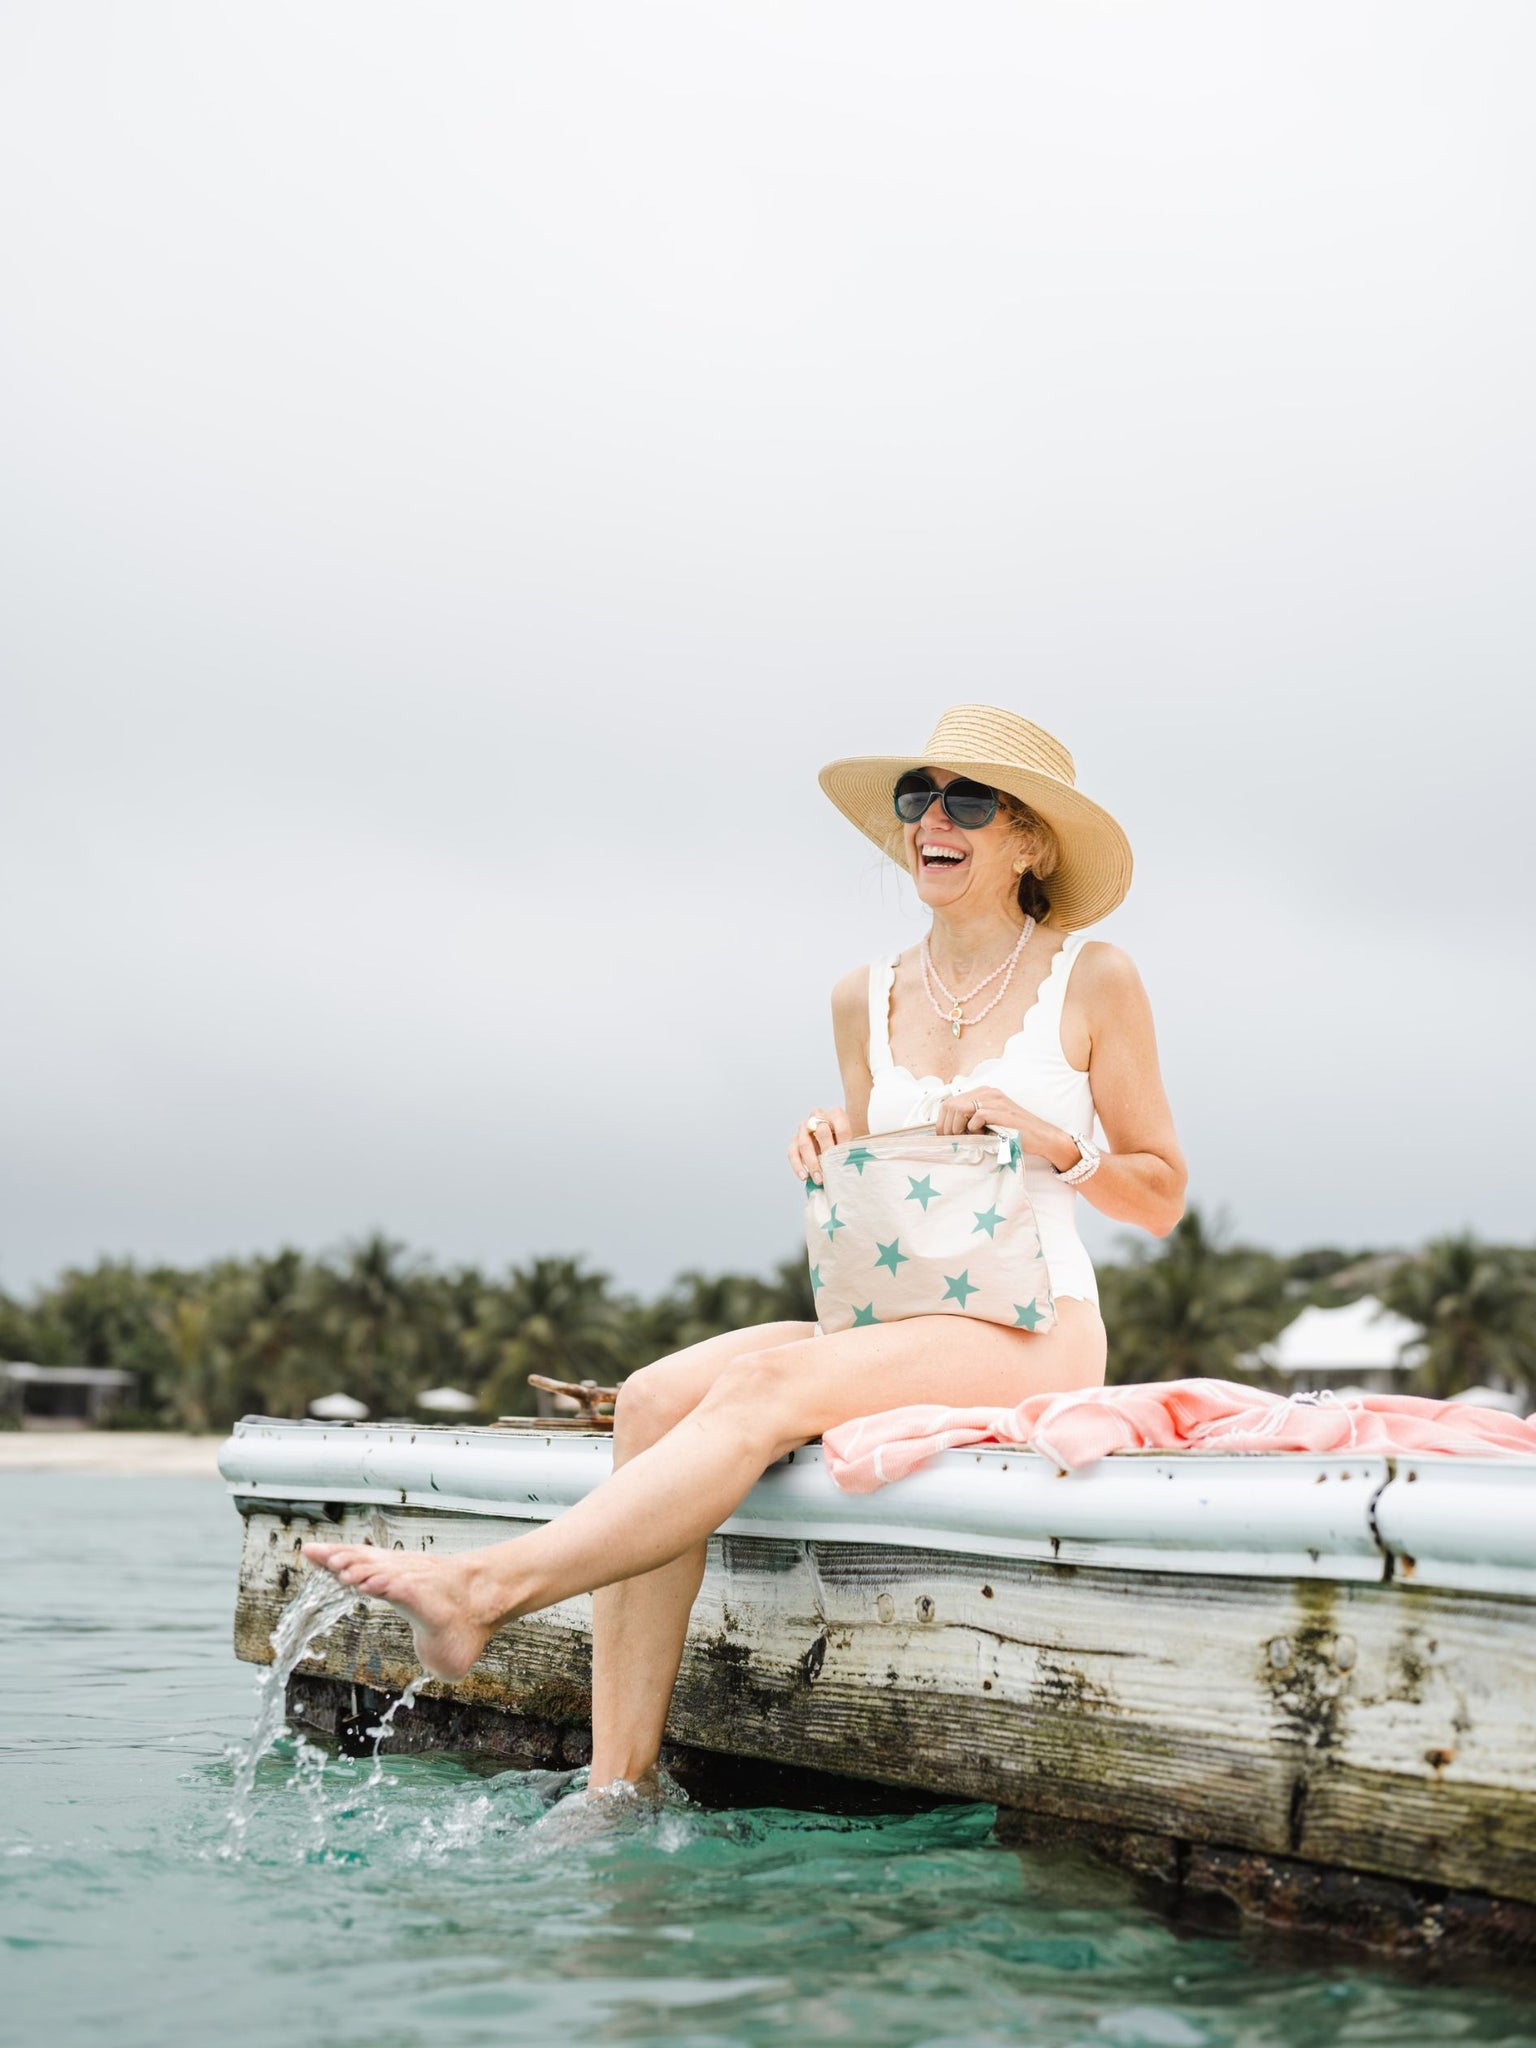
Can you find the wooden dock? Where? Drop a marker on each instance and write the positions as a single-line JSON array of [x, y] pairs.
[[1305, 1683]]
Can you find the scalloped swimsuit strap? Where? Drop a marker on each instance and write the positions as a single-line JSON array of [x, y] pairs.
[[1052, 993], [882, 977]]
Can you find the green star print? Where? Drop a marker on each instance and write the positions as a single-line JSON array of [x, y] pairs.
[[833, 1223], [816, 1280], [987, 1220], [1029, 1317], [891, 1254], [865, 1315], [858, 1159], [923, 1191], [958, 1286]]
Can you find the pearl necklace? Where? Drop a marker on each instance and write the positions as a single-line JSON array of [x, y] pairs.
[[952, 1016]]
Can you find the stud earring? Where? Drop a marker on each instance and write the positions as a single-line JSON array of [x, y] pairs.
[[1019, 866]]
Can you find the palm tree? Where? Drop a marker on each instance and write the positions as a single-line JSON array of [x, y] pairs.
[[548, 1317], [793, 1297], [1477, 1305], [18, 1331], [1191, 1307], [372, 1318], [100, 1315], [700, 1305], [191, 1393], [268, 1315]]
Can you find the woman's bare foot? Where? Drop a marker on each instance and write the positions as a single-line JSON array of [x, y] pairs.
[[438, 1596], [598, 1811]]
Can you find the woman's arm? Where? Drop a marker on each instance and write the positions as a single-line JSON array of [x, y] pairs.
[[850, 1032], [1143, 1176]]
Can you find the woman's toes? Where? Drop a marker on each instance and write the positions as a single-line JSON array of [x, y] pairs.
[[331, 1557]]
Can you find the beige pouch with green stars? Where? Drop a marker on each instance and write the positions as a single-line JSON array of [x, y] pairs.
[[911, 1224]]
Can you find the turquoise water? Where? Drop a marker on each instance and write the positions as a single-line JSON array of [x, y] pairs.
[[428, 1902]]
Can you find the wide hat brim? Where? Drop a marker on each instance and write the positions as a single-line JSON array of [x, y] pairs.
[[998, 747]]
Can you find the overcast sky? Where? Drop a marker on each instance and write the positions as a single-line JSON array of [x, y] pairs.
[[463, 470]]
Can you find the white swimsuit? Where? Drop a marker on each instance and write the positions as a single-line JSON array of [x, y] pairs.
[[1033, 1070]]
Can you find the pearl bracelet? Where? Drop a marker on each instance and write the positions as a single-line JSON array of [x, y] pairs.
[[1087, 1166]]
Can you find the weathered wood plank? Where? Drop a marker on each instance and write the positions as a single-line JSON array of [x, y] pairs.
[[350, 1713], [1380, 1728], [1417, 1922]]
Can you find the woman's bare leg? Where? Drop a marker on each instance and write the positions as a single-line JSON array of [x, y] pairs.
[[669, 1497], [639, 1624]]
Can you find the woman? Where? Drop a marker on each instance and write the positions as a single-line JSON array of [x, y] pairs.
[[1001, 1016]]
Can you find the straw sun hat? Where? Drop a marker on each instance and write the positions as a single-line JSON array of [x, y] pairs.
[[1006, 752]]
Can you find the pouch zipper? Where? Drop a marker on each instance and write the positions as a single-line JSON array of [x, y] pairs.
[[1006, 1140]]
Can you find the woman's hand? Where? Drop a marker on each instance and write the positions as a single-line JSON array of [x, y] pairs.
[[975, 1108], [821, 1130]]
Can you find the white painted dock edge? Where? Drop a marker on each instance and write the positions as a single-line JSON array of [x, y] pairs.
[[1464, 1523]]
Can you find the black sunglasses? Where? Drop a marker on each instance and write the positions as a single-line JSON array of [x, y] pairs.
[[968, 804]]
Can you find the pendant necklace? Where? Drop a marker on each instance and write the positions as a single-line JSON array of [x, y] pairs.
[[954, 1016]]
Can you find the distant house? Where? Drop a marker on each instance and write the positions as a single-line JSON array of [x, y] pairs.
[[61, 1396], [1361, 1345]]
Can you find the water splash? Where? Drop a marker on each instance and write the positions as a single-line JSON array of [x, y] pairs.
[[309, 1767], [607, 1816], [384, 1727], [321, 1602]]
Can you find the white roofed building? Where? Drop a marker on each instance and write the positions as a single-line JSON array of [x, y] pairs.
[[61, 1396], [1361, 1345]]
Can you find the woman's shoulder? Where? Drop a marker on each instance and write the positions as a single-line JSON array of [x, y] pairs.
[[851, 995], [850, 1014], [1101, 957], [850, 992], [1105, 972]]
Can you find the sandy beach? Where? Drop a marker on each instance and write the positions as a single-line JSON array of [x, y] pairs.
[[109, 1450]]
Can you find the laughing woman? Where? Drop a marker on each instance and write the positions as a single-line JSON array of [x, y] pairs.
[[1002, 1015]]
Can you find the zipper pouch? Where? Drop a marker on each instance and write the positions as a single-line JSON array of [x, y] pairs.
[[911, 1224]]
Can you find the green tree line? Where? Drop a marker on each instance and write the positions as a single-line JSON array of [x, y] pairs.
[[268, 1335]]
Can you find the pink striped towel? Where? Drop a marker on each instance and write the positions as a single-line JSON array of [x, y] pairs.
[[1170, 1415]]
